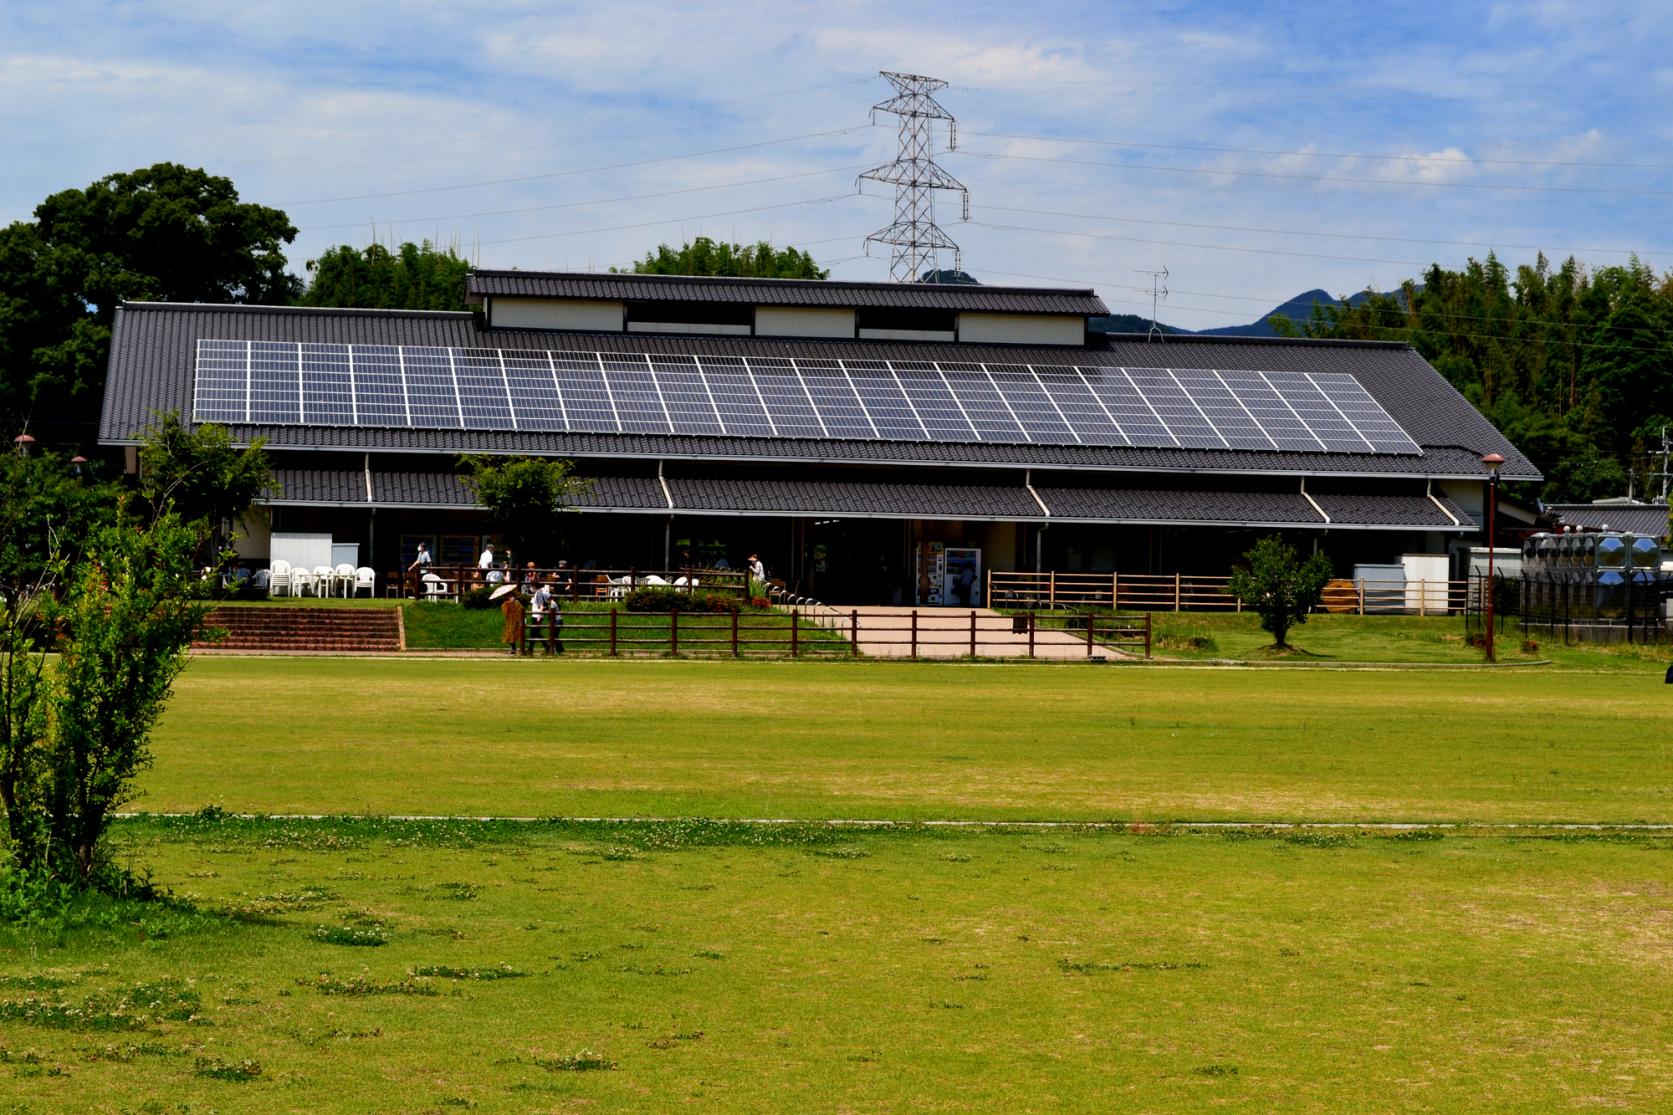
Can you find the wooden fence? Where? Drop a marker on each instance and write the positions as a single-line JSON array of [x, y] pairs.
[[449, 582], [1186, 592]]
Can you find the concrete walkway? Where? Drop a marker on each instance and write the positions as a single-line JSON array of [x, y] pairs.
[[886, 632]]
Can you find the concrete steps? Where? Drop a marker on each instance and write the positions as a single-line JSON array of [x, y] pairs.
[[317, 630]]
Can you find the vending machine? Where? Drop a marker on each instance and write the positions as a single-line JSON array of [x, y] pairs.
[[962, 577]]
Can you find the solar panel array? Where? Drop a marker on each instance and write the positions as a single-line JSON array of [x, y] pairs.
[[302, 383]]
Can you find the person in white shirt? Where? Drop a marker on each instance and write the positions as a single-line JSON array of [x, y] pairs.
[[486, 561], [756, 569]]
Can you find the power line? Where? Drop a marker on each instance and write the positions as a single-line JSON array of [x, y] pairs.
[[1328, 235], [595, 201], [1464, 159], [579, 170], [671, 220], [1189, 244], [1505, 186]]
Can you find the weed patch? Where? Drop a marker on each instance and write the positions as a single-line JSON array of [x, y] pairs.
[[444, 971], [239, 1072], [585, 1060], [361, 986], [1090, 967]]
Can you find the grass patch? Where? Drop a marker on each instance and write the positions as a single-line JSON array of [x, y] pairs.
[[871, 740], [1389, 973]]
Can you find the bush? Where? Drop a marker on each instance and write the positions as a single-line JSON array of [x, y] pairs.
[[479, 598], [659, 599]]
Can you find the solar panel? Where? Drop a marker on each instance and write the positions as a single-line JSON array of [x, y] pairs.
[[428, 387]]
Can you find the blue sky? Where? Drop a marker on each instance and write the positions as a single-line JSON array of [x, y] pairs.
[[1254, 150]]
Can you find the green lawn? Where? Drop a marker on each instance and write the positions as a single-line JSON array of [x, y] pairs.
[[1337, 639], [911, 741], [558, 968]]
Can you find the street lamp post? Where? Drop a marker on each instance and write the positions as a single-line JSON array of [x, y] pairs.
[[1492, 461]]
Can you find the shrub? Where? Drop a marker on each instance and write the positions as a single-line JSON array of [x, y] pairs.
[[660, 599], [479, 598]]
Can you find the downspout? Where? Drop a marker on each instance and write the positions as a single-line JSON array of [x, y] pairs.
[[1039, 535], [668, 525], [1429, 490], [1313, 502], [371, 516]]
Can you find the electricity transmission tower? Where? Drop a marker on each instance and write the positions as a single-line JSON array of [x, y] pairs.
[[914, 236]]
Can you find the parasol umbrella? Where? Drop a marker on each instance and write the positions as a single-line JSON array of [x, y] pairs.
[[503, 590]]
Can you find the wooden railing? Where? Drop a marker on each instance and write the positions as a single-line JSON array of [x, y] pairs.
[[619, 633], [1187, 592], [449, 582]]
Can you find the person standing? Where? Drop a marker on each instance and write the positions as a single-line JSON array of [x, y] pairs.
[[420, 566], [486, 561], [512, 609], [540, 612], [756, 569]]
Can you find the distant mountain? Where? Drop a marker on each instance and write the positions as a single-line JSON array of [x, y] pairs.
[[1297, 309], [1127, 323]]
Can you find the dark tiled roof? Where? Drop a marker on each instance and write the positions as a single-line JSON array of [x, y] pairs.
[[1643, 518], [729, 495], [784, 292], [314, 485], [1252, 508], [153, 358], [1367, 509], [903, 501]]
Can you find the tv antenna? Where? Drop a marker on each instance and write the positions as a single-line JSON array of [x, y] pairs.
[[1666, 451], [914, 237], [1158, 295]]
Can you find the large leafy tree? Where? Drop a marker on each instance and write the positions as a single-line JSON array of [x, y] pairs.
[[703, 256], [412, 277], [525, 498], [48, 509], [164, 233]]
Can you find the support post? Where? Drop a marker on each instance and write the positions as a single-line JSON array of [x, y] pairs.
[[1176, 587], [914, 632], [854, 633], [674, 632], [1032, 616], [612, 631], [734, 634], [795, 617], [972, 633], [1089, 634]]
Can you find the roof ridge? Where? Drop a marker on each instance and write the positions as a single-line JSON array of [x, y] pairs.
[[751, 280], [305, 311]]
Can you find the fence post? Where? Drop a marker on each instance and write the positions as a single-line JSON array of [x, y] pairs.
[[972, 633], [795, 616], [1422, 598], [674, 632], [854, 632], [734, 634], [1362, 596], [1115, 592], [914, 632], [1031, 618], [612, 632], [1089, 634], [1051, 592], [1176, 592]]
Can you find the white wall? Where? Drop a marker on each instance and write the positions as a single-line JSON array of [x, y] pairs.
[[686, 327], [1021, 329], [548, 313], [799, 321], [906, 335]]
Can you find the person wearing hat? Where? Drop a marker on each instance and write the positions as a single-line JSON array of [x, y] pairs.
[[511, 607], [756, 569]]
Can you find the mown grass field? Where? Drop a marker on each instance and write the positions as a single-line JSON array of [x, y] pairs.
[[914, 741], [344, 965], [334, 966]]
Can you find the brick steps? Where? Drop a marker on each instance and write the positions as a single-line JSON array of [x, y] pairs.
[[319, 630]]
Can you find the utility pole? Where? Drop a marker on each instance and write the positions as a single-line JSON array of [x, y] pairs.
[[914, 237]]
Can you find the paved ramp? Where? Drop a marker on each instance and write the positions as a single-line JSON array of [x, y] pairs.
[[884, 632]]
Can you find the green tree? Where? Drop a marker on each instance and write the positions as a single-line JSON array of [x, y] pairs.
[[164, 233], [200, 476], [77, 729], [525, 498], [412, 277], [48, 507], [1279, 586], [703, 256]]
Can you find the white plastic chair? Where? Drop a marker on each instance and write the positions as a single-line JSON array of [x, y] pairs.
[[365, 578], [342, 579], [302, 581], [434, 587], [278, 581], [653, 581], [322, 580]]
